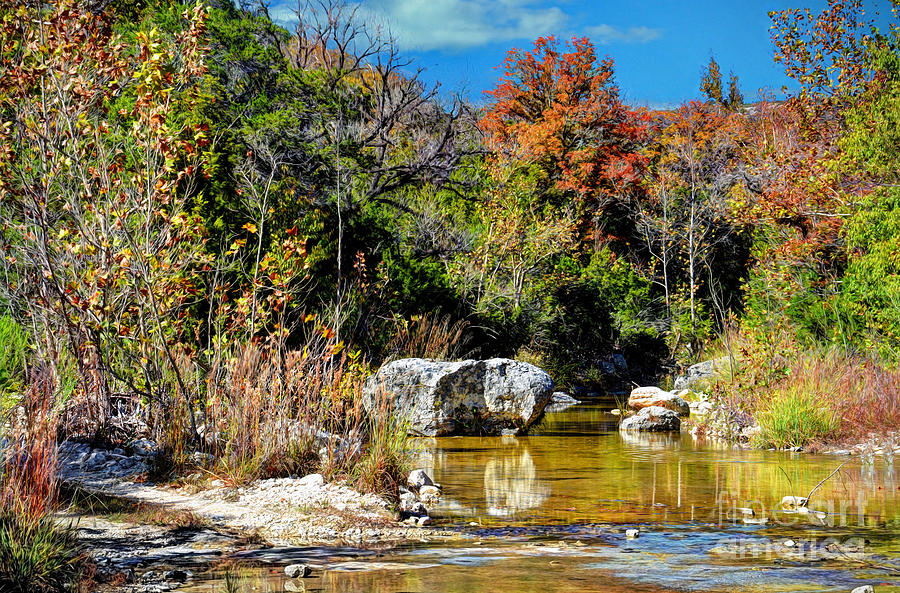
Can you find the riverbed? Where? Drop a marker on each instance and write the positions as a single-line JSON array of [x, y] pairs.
[[552, 511]]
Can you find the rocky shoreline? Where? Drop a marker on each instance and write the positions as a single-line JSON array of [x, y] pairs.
[[287, 512]]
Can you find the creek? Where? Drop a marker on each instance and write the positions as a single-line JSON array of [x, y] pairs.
[[549, 512]]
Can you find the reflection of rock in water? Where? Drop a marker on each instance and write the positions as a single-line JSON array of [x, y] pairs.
[[511, 484], [651, 440]]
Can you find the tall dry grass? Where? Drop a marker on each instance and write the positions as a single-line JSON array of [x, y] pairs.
[[265, 412], [431, 336], [272, 415], [814, 396], [36, 552]]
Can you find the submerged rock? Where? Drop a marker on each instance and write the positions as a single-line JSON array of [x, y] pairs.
[[560, 401], [466, 397], [652, 419], [644, 397]]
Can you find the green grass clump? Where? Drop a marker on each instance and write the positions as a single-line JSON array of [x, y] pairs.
[[387, 455], [794, 417], [12, 361], [37, 555]]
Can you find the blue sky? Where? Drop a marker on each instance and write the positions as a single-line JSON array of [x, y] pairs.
[[660, 47]]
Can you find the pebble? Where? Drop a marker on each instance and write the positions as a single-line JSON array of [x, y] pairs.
[[864, 589], [632, 533]]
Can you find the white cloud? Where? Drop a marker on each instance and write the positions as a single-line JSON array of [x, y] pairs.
[[464, 24], [606, 34]]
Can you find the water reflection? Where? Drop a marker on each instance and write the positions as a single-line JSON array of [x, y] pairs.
[[511, 483], [651, 440], [578, 470], [552, 508]]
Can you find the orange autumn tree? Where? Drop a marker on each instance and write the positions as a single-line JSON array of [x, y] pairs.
[[560, 109]]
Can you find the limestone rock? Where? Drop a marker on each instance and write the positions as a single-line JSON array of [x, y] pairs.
[[297, 571], [466, 397], [702, 371], [644, 397], [429, 494], [652, 419], [560, 401], [790, 503], [418, 478]]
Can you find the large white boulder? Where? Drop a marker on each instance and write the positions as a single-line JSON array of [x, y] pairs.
[[495, 396]]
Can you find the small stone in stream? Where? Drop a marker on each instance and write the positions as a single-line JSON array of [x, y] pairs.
[[864, 589], [429, 494], [178, 575], [295, 587], [789, 503], [297, 571], [789, 543], [416, 509], [632, 533], [423, 521], [418, 478]]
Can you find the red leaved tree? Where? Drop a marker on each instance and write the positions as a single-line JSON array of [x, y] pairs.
[[561, 110]]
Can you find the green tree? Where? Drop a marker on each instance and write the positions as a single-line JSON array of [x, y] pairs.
[[735, 98], [711, 82]]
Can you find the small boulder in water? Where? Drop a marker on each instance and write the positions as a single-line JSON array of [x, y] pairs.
[[297, 571], [560, 401], [644, 397], [793, 503], [418, 478], [652, 419]]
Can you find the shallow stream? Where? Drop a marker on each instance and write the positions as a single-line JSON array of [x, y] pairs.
[[549, 512]]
